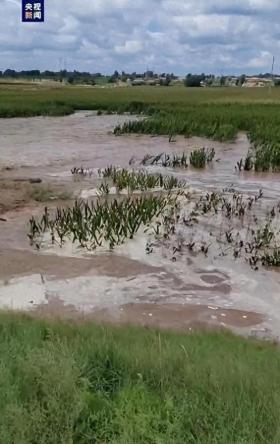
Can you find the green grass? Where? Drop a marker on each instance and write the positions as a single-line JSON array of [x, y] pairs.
[[33, 99], [65, 383]]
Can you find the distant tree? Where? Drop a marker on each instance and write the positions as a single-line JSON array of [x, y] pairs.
[[63, 73], [48, 74], [193, 80], [267, 75], [34, 73], [242, 79], [10, 73], [149, 74], [112, 79], [165, 81], [124, 76], [222, 80], [70, 80]]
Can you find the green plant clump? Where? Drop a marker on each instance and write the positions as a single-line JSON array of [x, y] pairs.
[[200, 157], [92, 224], [140, 180]]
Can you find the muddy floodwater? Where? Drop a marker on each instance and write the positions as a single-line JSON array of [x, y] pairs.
[[128, 285]]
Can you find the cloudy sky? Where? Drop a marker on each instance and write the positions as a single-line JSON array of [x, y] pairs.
[[180, 36]]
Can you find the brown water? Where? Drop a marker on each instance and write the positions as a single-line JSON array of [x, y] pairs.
[[48, 147], [121, 286]]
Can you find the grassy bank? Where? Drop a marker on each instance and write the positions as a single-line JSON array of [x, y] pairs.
[[63, 383]]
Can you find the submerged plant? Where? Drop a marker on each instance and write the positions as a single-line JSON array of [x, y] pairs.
[[248, 164], [92, 224], [239, 165], [141, 180], [200, 157], [81, 171], [166, 160], [104, 189], [271, 259]]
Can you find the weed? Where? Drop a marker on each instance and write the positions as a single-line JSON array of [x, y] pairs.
[[200, 157]]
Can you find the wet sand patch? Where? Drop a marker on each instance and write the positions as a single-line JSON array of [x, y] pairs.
[[21, 263], [163, 316], [178, 317], [212, 279]]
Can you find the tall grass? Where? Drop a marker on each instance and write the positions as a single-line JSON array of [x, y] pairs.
[[84, 384]]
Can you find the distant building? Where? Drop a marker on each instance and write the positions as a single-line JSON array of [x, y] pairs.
[[138, 82], [153, 82], [255, 82]]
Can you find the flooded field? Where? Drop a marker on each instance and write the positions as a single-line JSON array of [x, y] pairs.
[[148, 280]]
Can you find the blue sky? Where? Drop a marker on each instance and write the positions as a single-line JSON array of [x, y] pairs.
[[180, 36]]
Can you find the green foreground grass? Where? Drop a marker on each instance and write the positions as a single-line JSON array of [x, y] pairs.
[[63, 383]]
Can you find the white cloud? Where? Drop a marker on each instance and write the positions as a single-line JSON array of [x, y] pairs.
[[174, 35], [202, 24], [264, 59], [129, 47]]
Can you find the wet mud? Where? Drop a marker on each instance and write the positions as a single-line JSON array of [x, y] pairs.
[[127, 285]]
